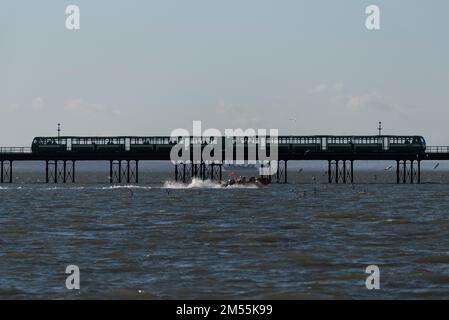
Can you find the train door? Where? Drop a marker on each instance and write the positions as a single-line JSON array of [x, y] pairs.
[[69, 144], [127, 144], [386, 144], [324, 144]]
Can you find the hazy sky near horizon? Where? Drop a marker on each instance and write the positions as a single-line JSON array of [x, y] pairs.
[[148, 67]]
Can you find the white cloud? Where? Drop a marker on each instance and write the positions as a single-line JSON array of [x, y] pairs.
[[327, 88], [81, 106], [319, 88], [362, 101], [336, 94], [39, 103], [370, 100]]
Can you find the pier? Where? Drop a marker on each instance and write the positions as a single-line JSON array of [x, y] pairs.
[[59, 156]]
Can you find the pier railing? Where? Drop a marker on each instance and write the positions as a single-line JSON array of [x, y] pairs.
[[429, 149], [437, 149], [15, 150]]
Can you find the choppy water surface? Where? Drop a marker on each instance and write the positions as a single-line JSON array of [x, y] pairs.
[[162, 239]]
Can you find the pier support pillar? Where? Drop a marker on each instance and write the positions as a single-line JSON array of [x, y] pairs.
[[6, 171], [407, 172], [111, 178], [120, 171], [216, 171], [337, 170], [184, 173], [340, 174], [352, 171], [404, 168], [123, 170], [202, 170], [419, 171], [65, 171], [286, 171], [57, 174], [397, 171], [281, 172]]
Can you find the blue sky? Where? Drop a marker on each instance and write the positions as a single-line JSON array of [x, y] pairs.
[[148, 67]]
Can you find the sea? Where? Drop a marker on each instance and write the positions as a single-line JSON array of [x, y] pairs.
[[162, 239]]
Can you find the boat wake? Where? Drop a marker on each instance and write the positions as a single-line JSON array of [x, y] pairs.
[[205, 184]]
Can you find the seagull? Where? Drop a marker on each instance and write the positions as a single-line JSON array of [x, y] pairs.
[[300, 170], [388, 168], [436, 166]]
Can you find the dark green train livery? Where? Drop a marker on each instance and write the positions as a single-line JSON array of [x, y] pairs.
[[286, 144], [353, 144]]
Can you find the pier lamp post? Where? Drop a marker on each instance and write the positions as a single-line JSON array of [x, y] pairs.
[[380, 128]]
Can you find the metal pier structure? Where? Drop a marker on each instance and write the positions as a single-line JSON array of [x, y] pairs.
[[59, 156]]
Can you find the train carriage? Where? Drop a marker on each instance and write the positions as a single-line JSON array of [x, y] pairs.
[[293, 145]]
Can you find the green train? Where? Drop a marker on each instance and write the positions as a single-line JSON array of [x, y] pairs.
[[286, 144]]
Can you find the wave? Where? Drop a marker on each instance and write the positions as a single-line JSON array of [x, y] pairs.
[[11, 188], [204, 184], [125, 187], [195, 184]]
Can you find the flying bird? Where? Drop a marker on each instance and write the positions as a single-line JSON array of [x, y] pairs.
[[436, 166], [388, 168]]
